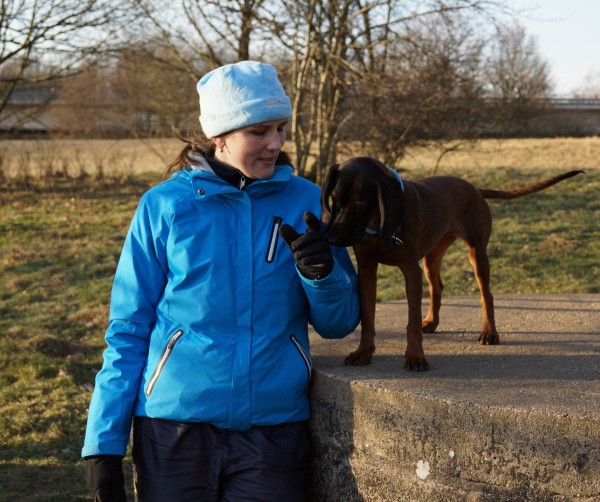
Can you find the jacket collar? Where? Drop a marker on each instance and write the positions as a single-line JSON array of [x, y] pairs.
[[206, 182]]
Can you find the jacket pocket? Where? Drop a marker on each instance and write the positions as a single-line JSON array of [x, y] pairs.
[[305, 358], [273, 238], [163, 360]]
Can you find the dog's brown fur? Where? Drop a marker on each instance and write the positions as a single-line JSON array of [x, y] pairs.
[[420, 221]]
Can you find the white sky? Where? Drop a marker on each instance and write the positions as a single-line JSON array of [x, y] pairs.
[[568, 38]]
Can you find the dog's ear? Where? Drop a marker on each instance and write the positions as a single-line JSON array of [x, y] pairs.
[[391, 200], [326, 190]]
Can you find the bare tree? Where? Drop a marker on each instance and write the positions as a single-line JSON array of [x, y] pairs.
[[430, 93], [518, 79], [517, 71], [318, 39], [154, 96], [204, 34], [42, 40], [132, 95], [342, 50], [86, 103]]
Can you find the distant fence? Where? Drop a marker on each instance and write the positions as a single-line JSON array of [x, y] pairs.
[[573, 103]]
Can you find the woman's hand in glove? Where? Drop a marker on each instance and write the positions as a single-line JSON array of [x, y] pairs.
[[104, 474], [311, 249]]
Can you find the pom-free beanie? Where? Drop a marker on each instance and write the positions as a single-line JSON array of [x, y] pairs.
[[241, 94]]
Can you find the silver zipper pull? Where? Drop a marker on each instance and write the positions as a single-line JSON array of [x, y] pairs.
[[242, 182]]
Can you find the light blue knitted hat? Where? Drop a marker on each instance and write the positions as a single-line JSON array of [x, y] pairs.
[[239, 95]]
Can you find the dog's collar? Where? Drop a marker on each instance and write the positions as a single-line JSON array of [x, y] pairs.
[[395, 239], [373, 231], [398, 177]]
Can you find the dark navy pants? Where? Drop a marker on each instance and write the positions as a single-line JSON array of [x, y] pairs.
[[183, 461]]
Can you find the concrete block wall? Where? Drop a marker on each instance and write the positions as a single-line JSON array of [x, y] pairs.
[[515, 422]]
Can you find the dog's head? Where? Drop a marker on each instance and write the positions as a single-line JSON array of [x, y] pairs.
[[359, 193]]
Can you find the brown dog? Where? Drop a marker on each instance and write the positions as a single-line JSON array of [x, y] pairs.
[[367, 206]]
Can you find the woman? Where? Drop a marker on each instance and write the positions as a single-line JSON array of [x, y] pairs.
[[208, 347]]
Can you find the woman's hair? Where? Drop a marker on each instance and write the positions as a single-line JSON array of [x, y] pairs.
[[197, 143]]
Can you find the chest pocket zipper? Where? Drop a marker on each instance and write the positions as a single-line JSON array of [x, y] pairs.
[[270, 256], [159, 367], [305, 357]]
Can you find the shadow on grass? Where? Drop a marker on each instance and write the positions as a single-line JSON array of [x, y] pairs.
[[53, 482]]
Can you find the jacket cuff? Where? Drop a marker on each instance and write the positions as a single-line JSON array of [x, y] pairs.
[[336, 276], [110, 448]]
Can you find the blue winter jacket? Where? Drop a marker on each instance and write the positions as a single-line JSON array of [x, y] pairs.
[[209, 314]]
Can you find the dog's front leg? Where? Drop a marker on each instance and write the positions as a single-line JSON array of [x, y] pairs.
[[367, 289], [414, 357]]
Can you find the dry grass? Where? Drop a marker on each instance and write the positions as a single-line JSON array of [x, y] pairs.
[[77, 158], [560, 154], [122, 158]]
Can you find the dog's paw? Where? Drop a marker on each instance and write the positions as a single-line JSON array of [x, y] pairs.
[[429, 326], [489, 338], [360, 357], [415, 363]]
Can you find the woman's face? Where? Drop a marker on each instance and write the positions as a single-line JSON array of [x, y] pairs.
[[253, 149]]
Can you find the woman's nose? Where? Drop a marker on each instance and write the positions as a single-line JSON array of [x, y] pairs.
[[276, 140]]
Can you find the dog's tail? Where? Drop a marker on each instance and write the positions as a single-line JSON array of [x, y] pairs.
[[526, 190]]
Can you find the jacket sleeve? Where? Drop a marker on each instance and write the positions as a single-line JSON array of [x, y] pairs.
[[138, 285], [334, 302]]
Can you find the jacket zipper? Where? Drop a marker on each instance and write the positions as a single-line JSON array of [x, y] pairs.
[[304, 355], [273, 240], [167, 352]]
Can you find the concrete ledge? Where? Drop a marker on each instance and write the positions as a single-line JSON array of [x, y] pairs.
[[514, 422]]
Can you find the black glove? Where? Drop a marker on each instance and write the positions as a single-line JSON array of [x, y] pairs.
[[311, 250], [104, 475]]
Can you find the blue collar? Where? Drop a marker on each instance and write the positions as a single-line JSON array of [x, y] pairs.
[[398, 177]]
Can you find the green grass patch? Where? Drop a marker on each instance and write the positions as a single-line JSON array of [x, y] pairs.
[[58, 253]]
